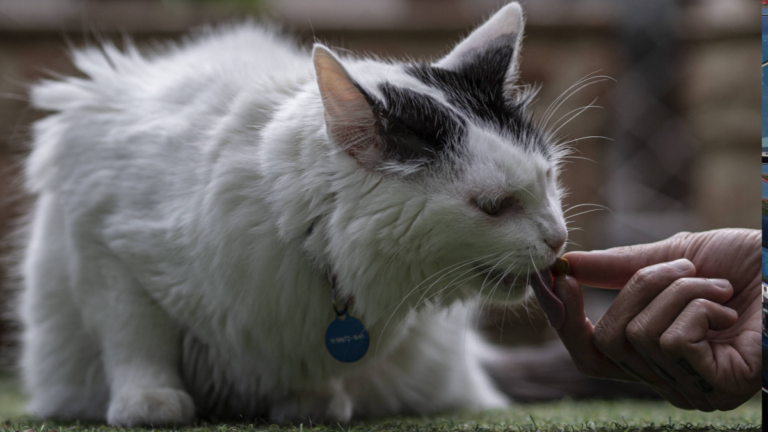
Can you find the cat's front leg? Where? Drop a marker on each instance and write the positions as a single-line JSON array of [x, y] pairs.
[[141, 353], [142, 362], [330, 405]]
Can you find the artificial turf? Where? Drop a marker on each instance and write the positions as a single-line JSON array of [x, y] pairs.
[[622, 415]]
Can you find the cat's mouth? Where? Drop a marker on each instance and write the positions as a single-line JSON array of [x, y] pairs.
[[540, 282]]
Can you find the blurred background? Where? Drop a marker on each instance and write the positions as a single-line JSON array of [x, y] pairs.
[[674, 146]]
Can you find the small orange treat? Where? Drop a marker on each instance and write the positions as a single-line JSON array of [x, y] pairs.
[[561, 267]]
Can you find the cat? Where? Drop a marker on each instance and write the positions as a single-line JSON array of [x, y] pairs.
[[204, 213]]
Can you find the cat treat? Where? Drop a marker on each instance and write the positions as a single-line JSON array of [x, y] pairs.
[[561, 267]]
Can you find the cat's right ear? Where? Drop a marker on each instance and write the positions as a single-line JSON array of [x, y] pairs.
[[349, 115], [493, 49]]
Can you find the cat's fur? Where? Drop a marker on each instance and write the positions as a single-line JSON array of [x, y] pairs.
[[171, 269]]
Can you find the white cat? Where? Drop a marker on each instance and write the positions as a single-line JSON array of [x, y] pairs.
[[192, 203]]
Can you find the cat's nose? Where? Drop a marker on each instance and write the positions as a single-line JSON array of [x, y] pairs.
[[556, 241]]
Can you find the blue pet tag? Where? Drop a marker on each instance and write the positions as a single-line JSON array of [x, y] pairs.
[[346, 338]]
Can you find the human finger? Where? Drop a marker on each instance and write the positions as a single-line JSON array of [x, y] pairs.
[[645, 330], [612, 268], [576, 334], [684, 342], [610, 332]]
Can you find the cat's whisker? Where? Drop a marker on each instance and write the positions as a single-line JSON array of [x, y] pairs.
[[528, 283], [569, 242], [551, 108], [578, 112], [582, 85], [454, 285], [442, 273], [458, 285], [501, 278], [565, 211], [565, 143], [450, 283], [495, 287], [547, 121], [474, 268], [469, 315], [494, 268], [568, 158], [445, 272], [506, 302], [570, 217], [384, 272]]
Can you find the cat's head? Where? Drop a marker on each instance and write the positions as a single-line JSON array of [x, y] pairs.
[[466, 180]]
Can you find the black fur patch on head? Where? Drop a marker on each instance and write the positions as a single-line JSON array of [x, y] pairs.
[[414, 126], [476, 87]]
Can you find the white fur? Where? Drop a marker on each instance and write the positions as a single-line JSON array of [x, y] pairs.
[[175, 192]]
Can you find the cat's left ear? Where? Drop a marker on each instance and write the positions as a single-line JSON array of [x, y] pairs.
[[494, 47], [349, 115]]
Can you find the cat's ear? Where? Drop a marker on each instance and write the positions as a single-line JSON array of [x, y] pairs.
[[349, 114], [494, 46]]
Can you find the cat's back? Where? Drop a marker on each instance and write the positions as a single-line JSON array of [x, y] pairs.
[[212, 58], [155, 113]]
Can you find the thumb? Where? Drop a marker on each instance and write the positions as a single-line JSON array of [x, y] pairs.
[[612, 268], [576, 334]]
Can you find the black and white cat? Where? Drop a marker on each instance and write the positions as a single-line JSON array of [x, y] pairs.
[[193, 203]]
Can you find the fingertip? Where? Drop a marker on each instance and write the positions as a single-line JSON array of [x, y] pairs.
[[732, 315], [563, 287], [576, 257], [724, 284], [567, 289], [683, 265]]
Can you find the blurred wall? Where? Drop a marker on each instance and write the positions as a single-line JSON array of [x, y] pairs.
[[713, 101]]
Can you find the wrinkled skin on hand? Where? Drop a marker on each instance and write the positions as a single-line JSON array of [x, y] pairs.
[[687, 320]]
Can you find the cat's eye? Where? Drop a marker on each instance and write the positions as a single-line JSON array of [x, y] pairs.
[[493, 207], [490, 207]]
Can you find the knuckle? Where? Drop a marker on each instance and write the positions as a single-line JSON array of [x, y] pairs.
[[683, 285], [671, 342], [682, 239], [700, 304], [643, 277], [605, 341], [636, 332], [681, 236]]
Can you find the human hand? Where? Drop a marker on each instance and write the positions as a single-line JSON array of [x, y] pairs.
[[695, 340]]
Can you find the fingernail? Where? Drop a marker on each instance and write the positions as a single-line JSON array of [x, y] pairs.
[[721, 283], [681, 265]]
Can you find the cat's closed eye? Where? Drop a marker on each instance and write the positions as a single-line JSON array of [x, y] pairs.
[[494, 207]]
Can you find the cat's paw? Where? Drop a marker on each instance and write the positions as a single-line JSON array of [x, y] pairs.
[[150, 407], [325, 408]]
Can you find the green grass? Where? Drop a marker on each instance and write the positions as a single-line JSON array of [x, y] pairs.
[[629, 416]]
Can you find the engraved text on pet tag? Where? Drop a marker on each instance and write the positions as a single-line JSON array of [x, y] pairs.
[[346, 338]]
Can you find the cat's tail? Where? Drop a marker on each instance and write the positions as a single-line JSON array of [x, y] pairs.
[[546, 372], [106, 69]]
